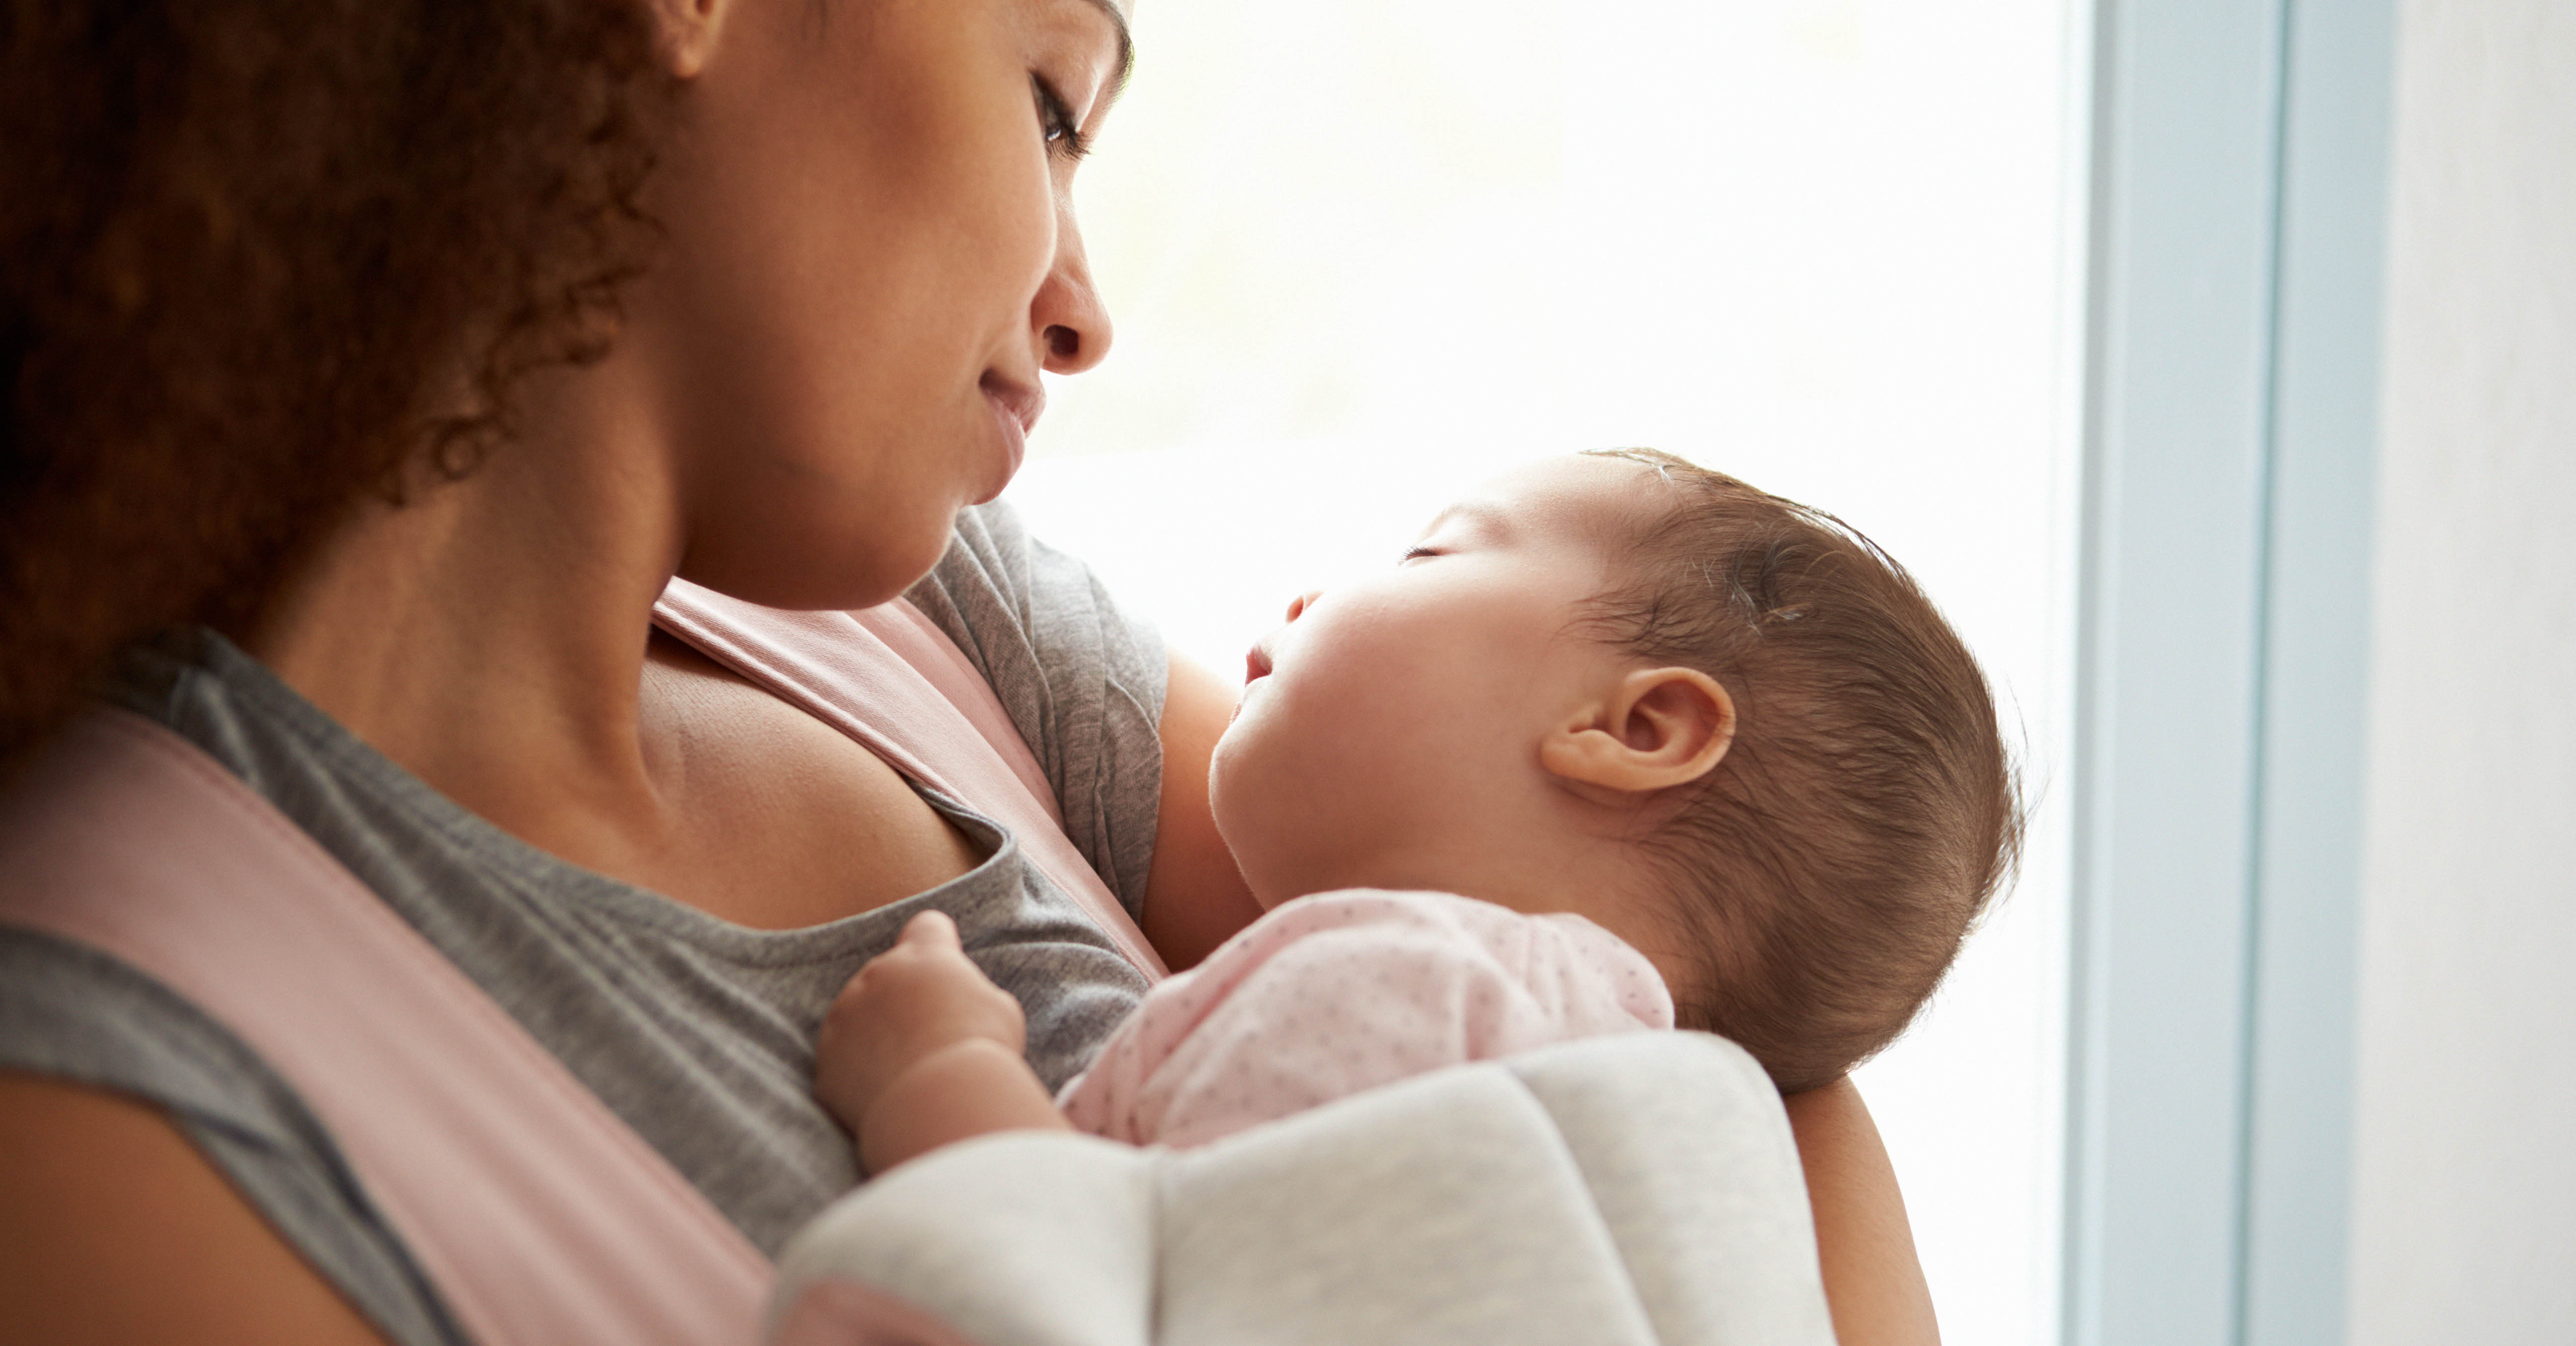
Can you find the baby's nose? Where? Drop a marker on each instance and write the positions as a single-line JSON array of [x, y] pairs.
[[1297, 606]]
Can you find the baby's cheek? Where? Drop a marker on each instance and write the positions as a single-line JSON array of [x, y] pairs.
[[1279, 802], [1235, 781], [1301, 752]]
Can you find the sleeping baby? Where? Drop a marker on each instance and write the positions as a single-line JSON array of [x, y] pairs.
[[1623, 744]]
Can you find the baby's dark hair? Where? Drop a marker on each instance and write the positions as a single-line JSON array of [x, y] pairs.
[[1827, 871]]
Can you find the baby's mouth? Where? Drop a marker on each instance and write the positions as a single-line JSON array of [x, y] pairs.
[[1256, 665]]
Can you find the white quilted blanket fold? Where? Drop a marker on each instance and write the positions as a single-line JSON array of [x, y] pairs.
[[1639, 1189]]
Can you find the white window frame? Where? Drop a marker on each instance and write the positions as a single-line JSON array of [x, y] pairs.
[[2237, 207]]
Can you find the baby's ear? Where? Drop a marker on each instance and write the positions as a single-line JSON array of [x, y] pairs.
[[684, 32], [1658, 727]]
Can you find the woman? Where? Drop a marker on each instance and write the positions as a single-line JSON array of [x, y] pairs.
[[415, 348]]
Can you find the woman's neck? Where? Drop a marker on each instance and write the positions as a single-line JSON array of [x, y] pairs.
[[490, 635]]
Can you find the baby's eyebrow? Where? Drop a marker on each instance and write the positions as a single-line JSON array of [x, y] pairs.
[[1475, 513]]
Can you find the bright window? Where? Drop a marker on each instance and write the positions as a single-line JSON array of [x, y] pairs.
[[1363, 253]]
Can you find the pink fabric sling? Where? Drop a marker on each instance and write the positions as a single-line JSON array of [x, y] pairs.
[[542, 1218]]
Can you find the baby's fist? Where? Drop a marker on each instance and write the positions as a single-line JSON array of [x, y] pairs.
[[914, 999]]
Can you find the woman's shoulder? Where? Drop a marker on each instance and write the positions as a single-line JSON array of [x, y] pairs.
[[117, 1229], [1035, 617], [87, 1023], [1082, 679]]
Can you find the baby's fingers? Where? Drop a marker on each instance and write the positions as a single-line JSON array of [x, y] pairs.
[[931, 930]]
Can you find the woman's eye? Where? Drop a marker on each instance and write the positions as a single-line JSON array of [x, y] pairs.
[[1056, 123], [1417, 553]]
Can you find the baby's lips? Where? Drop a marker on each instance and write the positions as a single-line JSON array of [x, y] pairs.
[[1256, 665]]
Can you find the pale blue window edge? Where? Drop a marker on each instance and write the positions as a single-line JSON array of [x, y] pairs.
[[2237, 209], [2325, 421]]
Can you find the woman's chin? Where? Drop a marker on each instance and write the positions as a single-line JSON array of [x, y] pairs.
[[805, 570]]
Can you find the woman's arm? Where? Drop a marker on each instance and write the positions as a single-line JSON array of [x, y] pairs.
[[114, 1229], [1872, 1279], [1194, 895]]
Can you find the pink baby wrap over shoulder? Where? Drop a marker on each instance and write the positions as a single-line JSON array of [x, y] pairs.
[[1332, 994], [542, 1219]]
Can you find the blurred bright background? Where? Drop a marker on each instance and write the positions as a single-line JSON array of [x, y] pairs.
[[1364, 253]]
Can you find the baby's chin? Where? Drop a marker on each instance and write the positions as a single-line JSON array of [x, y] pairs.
[[1277, 860], [1232, 785], [1300, 818], [1280, 868]]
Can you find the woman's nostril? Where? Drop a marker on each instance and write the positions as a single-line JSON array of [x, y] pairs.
[[1063, 343]]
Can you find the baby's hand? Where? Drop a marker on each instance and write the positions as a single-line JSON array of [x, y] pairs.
[[909, 1003]]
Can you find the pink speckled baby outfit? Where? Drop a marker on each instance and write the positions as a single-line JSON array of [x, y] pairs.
[[1339, 992]]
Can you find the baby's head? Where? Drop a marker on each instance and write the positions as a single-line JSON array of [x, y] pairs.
[[1722, 725]]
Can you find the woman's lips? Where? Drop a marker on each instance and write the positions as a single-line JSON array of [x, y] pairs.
[[1016, 408]]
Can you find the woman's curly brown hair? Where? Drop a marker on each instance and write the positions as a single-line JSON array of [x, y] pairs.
[[258, 258]]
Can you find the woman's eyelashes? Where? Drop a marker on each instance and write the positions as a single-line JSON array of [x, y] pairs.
[[1417, 553], [1056, 122]]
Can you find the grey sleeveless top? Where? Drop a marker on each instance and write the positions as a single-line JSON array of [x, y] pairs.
[[698, 1033]]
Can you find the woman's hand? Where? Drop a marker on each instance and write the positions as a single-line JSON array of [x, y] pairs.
[[921, 1050]]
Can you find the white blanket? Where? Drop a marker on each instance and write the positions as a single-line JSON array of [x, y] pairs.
[[1637, 1189]]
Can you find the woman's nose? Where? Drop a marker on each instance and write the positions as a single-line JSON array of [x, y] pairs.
[[1071, 322], [1297, 606]]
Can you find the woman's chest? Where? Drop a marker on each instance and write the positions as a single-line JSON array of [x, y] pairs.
[[771, 818]]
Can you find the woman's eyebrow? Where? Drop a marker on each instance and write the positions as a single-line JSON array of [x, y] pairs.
[[1126, 47]]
